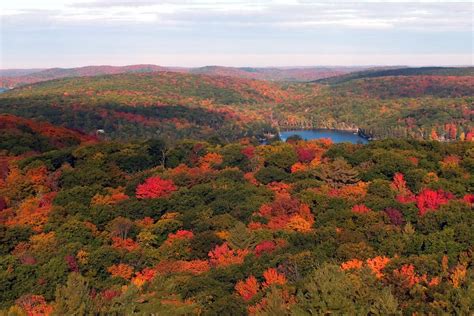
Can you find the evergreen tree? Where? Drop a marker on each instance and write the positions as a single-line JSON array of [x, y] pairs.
[[338, 173], [74, 298]]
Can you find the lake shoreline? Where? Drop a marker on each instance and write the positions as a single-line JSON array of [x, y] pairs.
[[336, 135]]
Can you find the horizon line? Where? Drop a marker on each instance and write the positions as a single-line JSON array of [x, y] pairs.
[[249, 66]]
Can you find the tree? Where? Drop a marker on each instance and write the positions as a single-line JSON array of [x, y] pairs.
[[285, 213], [352, 264], [121, 270], [399, 184], [395, 216], [223, 256], [266, 246], [181, 266], [338, 173], [282, 157], [120, 227], [179, 235], [271, 174], [210, 160], [377, 264], [202, 243], [360, 209], [234, 155], [247, 289], [11, 236], [330, 290], [155, 187], [74, 298], [240, 237], [277, 302], [294, 139], [431, 200], [272, 277], [157, 150], [34, 305]]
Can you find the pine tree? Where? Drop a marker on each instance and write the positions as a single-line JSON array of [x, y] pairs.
[[74, 297], [330, 290], [240, 237], [338, 173]]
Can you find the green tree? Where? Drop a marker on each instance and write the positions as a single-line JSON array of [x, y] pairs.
[[329, 290], [283, 157], [74, 298], [271, 174]]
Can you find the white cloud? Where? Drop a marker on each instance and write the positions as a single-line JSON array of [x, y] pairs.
[[234, 32], [283, 13]]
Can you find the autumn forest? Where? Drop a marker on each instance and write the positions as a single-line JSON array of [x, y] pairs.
[[145, 190]]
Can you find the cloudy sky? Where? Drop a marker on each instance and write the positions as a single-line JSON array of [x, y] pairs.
[[68, 33]]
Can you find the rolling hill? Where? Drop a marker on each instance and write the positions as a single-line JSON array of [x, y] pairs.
[[158, 88], [179, 105], [20, 135], [416, 71], [11, 78], [407, 86], [143, 105], [296, 74], [18, 72]]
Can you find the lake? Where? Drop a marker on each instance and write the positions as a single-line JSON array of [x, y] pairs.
[[336, 136]]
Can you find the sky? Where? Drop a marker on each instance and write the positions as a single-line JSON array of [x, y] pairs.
[[259, 33]]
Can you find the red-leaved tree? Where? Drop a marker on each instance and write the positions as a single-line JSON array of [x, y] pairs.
[[430, 200], [155, 187]]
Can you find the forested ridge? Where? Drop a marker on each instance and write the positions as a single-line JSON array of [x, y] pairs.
[[11, 78], [413, 71], [430, 107]]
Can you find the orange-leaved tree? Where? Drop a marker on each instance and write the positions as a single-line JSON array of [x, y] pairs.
[[121, 270], [222, 256], [247, 289], [272, 276]]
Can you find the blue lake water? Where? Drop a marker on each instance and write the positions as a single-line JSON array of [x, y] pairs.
[[335, 135]]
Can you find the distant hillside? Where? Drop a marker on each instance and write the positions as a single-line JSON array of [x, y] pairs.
[[18, 72], [143, 105], [421, 71], [408, 86], [19, 135], [176, 105], [11, 78], [275, 74], [158, 88]]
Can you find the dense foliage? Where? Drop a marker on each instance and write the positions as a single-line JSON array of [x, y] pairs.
[[166, 105], [19, 135], [430, 104], [210, 228], [420, 107], [169, 193]]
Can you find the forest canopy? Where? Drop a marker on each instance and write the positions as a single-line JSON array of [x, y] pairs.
[[105, 227]]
